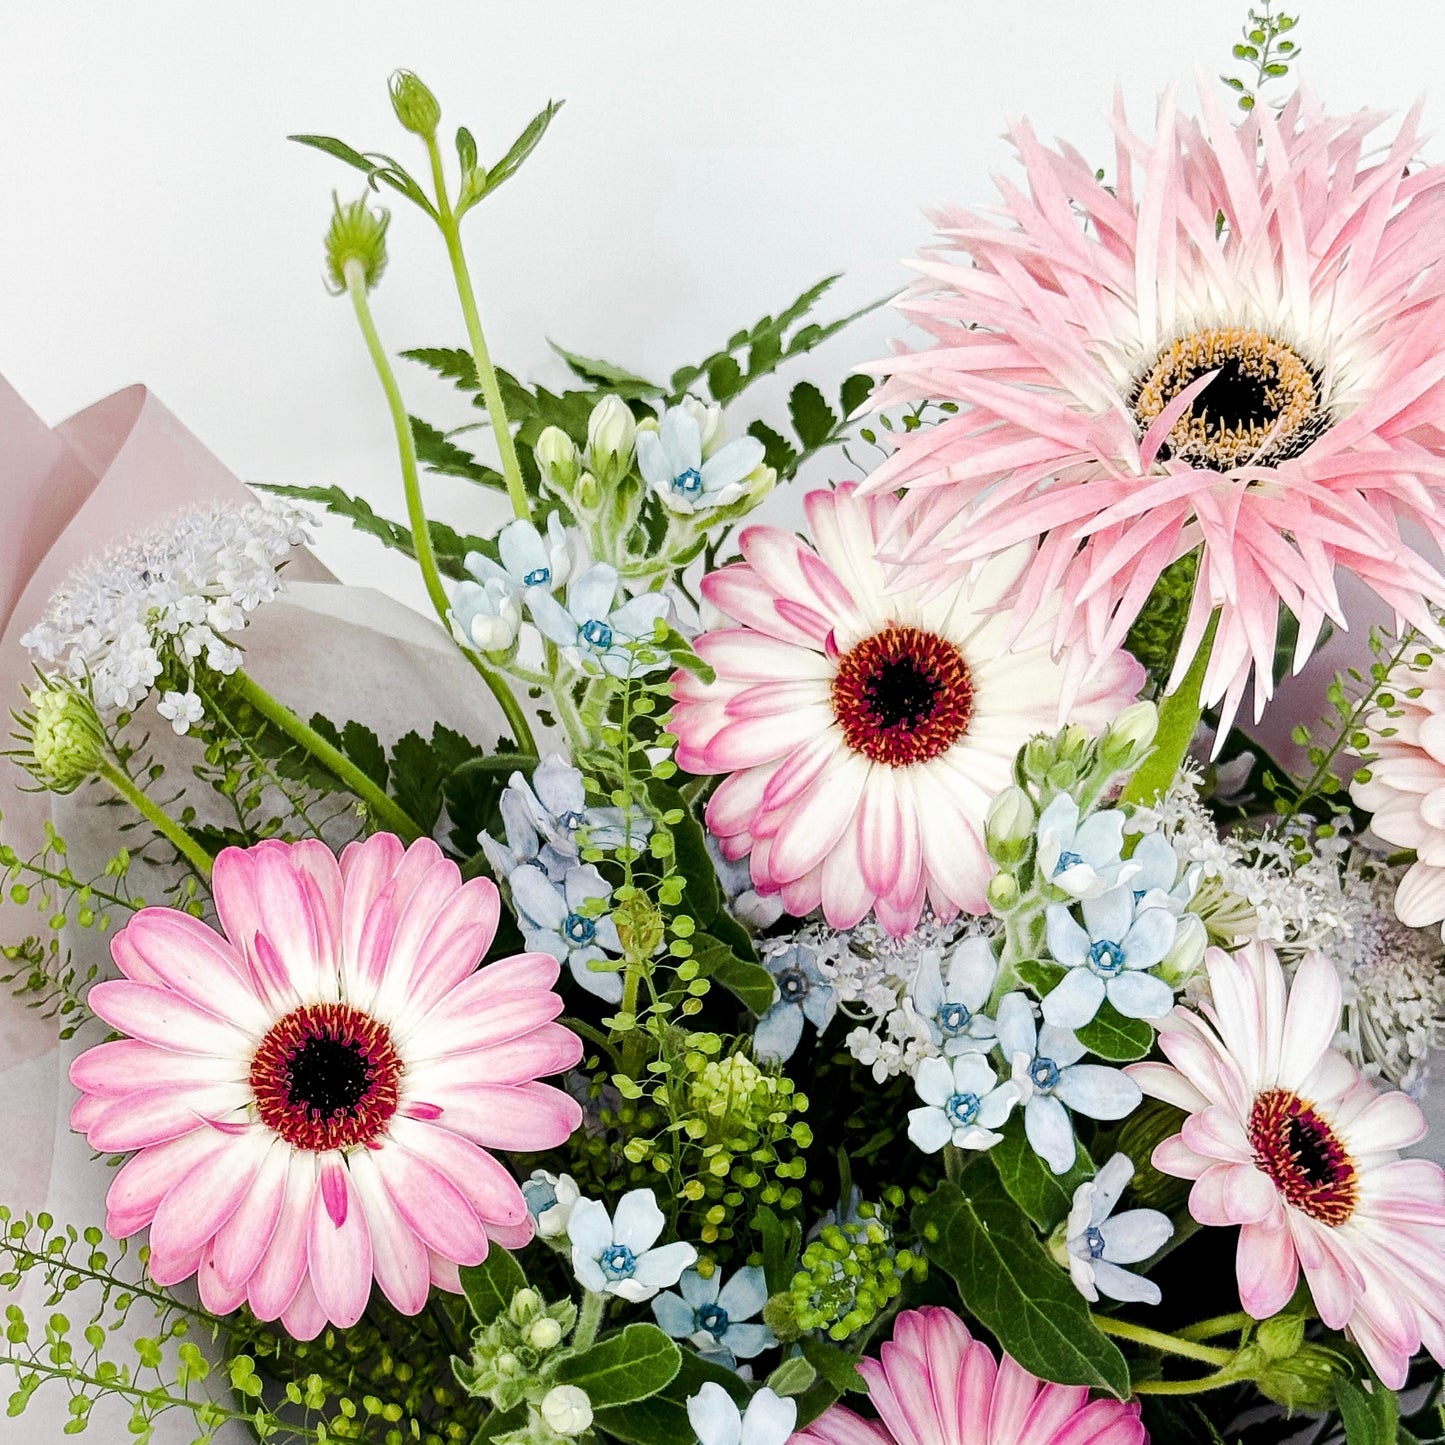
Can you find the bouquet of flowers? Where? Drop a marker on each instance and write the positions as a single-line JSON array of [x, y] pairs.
[[873, 992]]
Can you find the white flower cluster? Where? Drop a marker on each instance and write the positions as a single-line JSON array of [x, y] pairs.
[[1285, 888], [175, 593], [874, 978]]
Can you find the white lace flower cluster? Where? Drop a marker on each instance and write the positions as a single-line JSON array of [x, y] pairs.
[[1286, 888], [174, 594]]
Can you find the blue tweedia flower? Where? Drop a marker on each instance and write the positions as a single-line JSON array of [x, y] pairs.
[[952, 1006], [675, 464], [1047, 1076], [803, 993], [715, 1316], [1082, 858], [486, 615], [614, 1254], [529, 559], [554, 921], [596, 635], [716, 1419], [1158, 883], [963, 1104], [1098, 1241], [1108, 958]]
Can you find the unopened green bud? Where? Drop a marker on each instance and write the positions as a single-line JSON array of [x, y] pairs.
[[545, 1334], [67, 742], [508, 1364], [567, 1410], [526, 1304], [356, 243], [556, 454], [1305, 1380], [589, 492], [611, 437], [1129, 737], [1003, 892], [1281, 1336], [780, 1314], [1038, 757], [1009, 826], [415, 106]]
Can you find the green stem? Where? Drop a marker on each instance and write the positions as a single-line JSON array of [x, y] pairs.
[[384, 810], [1168, 1344], [416, 512], [952, 1163], [172, 831], [1219, 1325], [1179, 714], [481, 358], [1187, 1387], [589, 1319]]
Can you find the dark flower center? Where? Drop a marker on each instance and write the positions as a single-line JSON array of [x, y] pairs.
[[327, 1076], [712, 1318], [1303, 1156], [902, 696], [1262, 407]]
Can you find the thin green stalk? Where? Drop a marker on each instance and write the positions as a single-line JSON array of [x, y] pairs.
[[416, 512], [172, 831], [481, 357], [1168, 1344], [1219, 1325], [952, 1163], [1187, 1387], [384, 810], [589, 1319], [1179, 714]]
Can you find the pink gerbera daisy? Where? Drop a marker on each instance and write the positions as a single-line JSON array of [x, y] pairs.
[[866, 730], [314, 1091], [934, 1384], [1287, 1139], [1229, 343]]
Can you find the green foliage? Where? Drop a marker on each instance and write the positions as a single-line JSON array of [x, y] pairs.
[[1007, 1281], [491, 1285], [662, 1419], [1370, 1412], [1114, 1037], [1045, 1197], [1156, 632], [620, 1369], [816, 425], [1265, 50]]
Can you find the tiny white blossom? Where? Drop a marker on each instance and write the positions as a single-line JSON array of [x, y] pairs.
[[716, 1419], [181, 709], [550, 1199], [567, 1410], [615, 1254]]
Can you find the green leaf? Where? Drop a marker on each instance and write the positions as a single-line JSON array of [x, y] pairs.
[[795, 1375], [516, 155], [813, 419], [466, 150], [449, 362], [855, 391], [437, 452], [1042, 977], [837, 1366], [623, 1368], [499, 1422], [782, 1243], [360, 745], [661, 1419], [490, 1285], [1371, 1415], [1044, 1196], [703, 897], [778, 452], [607, 376], [728, 931], [724, 378], [377, 167], [1112, 1036], [1005, 1278], [750, 983]]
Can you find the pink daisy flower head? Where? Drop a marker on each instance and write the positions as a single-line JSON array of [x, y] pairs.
[[866, 729], [1286, 1138], [934, 1384], [1230, 343], [313, 1092]]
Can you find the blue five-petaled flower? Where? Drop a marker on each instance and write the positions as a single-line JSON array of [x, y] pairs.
[[595, 633], [1108, 958], [717, 1317], [674, 466]]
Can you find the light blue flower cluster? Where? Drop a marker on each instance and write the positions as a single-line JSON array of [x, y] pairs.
[[561, 901], [487, 611], [618, 1253]]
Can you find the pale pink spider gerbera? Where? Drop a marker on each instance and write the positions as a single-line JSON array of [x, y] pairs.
[[1286, 1138], [934, 1384], [867, 730], [1231, 342], [313, 1093]]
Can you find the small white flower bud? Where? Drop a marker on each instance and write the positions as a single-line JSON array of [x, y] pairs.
[[709, 421], [525, 1305], [1130, 735], [556, 454], [611, 436], [545, 1334], [567, 1410], [1009, 825]]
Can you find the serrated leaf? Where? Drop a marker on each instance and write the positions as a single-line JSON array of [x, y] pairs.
[[438, 453], [490, 1285], [813, 419], [1044, 1196], [1116, 1038], [608, 376], [1005, 1278], [855, 391], [724, 378], [778, 452], [623, 1368], [750, 983], [450, 362]]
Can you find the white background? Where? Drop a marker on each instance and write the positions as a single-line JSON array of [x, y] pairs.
[[710, 163]]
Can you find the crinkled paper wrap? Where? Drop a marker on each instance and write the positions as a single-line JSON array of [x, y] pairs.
[[346, 652]]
